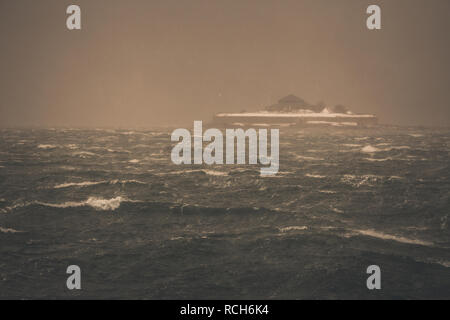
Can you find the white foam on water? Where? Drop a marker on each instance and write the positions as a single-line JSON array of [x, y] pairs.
[[105, 204], [94, 202], [308, 158], [370, 149], [328, 191], [134, 161], [337, 210], [443, 263], [395, 178], [293, 228], [177, 172], [215, 173], [9, 230], [46, 146], [127, 181], [83, 154], [416, 135], [357, 181], [78, 184], [316, 176], [380, 235], [11, 208], [378, 160]]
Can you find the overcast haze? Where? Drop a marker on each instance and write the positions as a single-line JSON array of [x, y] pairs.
[[144, 63]]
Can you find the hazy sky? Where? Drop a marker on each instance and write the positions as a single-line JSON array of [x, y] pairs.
[[174, 61]]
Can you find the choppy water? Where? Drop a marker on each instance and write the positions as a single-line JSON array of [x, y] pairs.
[[139, 226]]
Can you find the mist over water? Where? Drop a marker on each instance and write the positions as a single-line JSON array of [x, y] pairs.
[[112, 202], [169, 63]]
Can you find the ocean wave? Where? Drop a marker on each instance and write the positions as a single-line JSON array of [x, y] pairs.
[[308, 158], [293, 228], [215, 173], [415, 135], [11, 208], [9, 230], [443, 263], [127, 181], [177, 172], [203, 171], [378, 160], [77, 184], [47, 146], [380, 235], [328, 191], [316, 176], [358, 181], [370, 149], [83, 154], [210, 210], [395, 178], [94, 202], [336, 210]]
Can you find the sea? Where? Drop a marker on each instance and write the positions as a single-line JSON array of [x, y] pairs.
[[140, 227]]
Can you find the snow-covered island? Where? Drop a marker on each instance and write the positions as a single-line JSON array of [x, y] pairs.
[[294, 111]]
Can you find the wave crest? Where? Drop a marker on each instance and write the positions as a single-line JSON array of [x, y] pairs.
[[94, 202]]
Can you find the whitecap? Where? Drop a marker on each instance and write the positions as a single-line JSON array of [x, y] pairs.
[[369, 149], [355, 181], [377, 160], [443, 263], [77, 184], [9, 230], [293, 228], [328, 191], [317, 176], [128, 181], [337, 210], [83, 154], [11, 208], [134, 161], [46, 146], [384, 236], [94, 202]]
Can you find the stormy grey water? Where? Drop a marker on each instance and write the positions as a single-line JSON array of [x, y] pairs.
[[140, 227]]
